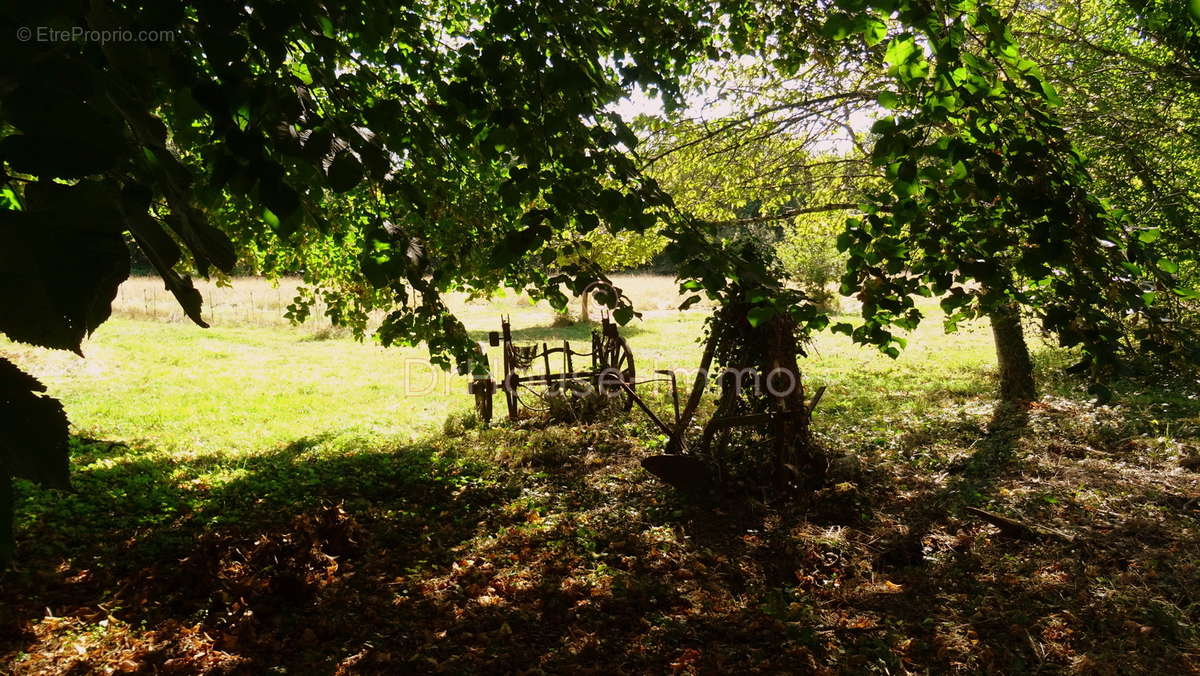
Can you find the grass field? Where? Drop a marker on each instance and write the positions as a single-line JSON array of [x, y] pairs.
[[254, 382], [259, 495]]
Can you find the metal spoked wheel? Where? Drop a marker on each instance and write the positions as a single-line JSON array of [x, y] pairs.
[[617, 366]]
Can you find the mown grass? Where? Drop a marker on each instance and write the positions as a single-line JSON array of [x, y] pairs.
[[263, 496], [250, 384], [253, 385]]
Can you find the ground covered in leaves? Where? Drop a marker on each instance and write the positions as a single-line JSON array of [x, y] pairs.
[[535, 548]]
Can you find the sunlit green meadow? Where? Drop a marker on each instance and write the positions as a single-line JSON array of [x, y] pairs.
[[253, 382], [256, 405]]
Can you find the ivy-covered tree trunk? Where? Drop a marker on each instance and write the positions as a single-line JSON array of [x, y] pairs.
[[796, 458], [1012, 355], [761, 376]]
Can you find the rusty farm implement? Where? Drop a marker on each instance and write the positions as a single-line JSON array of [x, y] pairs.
[[533, 374], [765, 396]]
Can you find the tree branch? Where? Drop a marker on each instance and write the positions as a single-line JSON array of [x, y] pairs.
[[848, 96], [790, 213]]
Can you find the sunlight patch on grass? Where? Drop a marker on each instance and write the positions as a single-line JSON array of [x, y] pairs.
[[257, 385]]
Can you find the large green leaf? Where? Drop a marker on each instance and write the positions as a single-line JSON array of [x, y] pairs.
[[33, 430], [54, 156], [64, 134], [33, 443], [164, 253], [345, 172], [57, 281]]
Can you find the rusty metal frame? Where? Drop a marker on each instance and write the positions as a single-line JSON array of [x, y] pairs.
[[613, 369], [607, 345]]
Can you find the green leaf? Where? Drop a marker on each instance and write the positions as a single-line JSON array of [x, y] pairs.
[[845, 240], [64, 134], [959, 171], [57, 280], [1168, 266], [55, 156], [883, 125], [300, 70], [1149, 236], [33, 430], [271, 219], [345, 172], [610, 202], [875, 32], [900, 50], [1133, 268], [242, 117], [164, 253], [1050, 93], [623, 314], [8, 199], [326, 26], [760, 314], [888, 100], [838, 26]]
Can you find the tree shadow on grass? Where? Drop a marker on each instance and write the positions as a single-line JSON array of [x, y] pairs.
[[374, 562], [264, 556], [316, 556], [816, 576], [1021, 604], [838, 537]]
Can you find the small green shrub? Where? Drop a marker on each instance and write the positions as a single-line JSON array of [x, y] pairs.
[[459, 422], [562, 319], [328, 332]]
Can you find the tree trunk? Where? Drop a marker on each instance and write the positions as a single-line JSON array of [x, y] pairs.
[[585, 314], [796, 458], [1012, 355]]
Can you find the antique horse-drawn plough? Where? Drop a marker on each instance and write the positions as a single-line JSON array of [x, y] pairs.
[[610, 371], [749, 398]]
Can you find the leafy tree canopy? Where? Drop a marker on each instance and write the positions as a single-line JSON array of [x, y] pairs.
[[1132, 108], [393, 152], [989, 203]]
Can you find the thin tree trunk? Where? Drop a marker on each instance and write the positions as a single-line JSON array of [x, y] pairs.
[[1017, 385]]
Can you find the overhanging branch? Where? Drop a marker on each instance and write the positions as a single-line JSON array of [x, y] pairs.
[[710, 134], [790, 213]]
